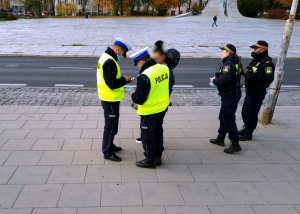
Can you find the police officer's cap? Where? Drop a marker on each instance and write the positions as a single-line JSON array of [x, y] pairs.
[[260, 44], [137, 56], [230, 48], [122, 43]]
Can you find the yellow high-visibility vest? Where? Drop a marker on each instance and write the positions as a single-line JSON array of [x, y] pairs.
[[104, 92], [158, 99]]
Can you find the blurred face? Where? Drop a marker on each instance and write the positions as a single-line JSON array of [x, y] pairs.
[[119, 50], [259, 50], [224, 54], [159, 57]]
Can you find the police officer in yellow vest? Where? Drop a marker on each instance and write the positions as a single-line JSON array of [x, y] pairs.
[[110, 84], [153, 98]]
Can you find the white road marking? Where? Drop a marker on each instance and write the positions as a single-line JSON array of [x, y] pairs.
[[69, 85], [12, 84], [290, 86], [75, 68]]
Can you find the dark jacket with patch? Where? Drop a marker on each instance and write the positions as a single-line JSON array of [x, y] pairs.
[[259, 75], [144, 85], [110, 71], [227, 79]]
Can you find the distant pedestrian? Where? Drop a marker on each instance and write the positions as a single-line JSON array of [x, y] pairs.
[[215, 21]]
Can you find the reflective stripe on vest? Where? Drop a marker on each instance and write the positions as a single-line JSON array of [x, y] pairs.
[[104, 92], [158, 99]]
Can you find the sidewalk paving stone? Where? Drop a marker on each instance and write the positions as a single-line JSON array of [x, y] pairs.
[[15, 211], [6, 172], [106, 210], [31, 175], [54, 211], [18, 144], [103, 173], [80, 195], [57, 158], [231, 210], [24, 158], [144, 210], [48, 144], [39, 196], [274, 209], [67, 174], [11, 124], [131, 173], [174, 173]]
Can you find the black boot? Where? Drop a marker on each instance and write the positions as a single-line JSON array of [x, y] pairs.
[[218, 141], [158, 161], [243, 130], [146, 164], [246, 136], [234, 147]]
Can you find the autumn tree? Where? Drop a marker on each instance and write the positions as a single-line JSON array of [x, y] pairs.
[[162, 6]]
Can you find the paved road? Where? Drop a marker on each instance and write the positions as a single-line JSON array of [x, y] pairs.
[[48, 72]]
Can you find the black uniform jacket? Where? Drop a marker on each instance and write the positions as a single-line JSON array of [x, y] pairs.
[[259, 75]]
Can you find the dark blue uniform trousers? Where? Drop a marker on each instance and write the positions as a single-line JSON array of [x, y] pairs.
[[227, 114], [111, 117], [250, 110]]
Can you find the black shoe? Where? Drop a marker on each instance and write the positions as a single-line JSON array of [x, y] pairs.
[[218, 141], [116, 148], [158, 161], [113, 157], [245, 137], [146, 164], [138, 140], [243, 130], [233, 148]]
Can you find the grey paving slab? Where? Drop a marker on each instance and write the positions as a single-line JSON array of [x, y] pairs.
[[85, 125], [31, 175], [9, 116], [69, 109], [249, 156], [54, 211], [6, 172], [18, 144], [80, 195], [295, 154], [41, 134], [103, 173], [231, 210], [7, 109], [27, 109], [201, 194], [14, 134], [276, 156], [76, 117], [77, 144], [240, 193], [92, 133], [57, 158], [24, 158], [192, 143], [145, 210], [208, 172], [54, 117], [48, 144], [187, 209], [243, 172], [131, 173], [45, 195], [106, 210], [215, 156], [130, 144], [61, 124], [128, 157], [30, 117], [278, 172], [36, 125], [88, 157], [89, 109], [174, 173], [274, 209], [155, 194], [183, 156], [9, 194], [67, 174], [11, 124], [4, 156], [15, 211], [67, 133], [278, 192], [47, 110], [121, 194]]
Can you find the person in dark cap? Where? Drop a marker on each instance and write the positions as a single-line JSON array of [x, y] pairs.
[[227, 81], [170, 57], [153, 98], [259, 75]]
